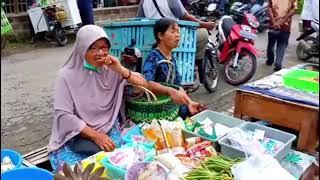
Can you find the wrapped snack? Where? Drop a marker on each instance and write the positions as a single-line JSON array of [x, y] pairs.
[[196, 150], [154, 133], [187, 161], [173, 164], [190, 125], [168, 160], [221, 129], [173, 136], [206, 152], [206, 129], [126, 156], [192, 141]]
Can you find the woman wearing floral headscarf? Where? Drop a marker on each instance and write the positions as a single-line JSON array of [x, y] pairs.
[[88, 99]]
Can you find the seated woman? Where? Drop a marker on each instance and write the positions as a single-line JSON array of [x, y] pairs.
[[88, 99], [167, 36]]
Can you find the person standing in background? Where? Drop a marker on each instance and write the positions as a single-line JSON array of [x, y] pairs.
[[86, 11], [310, 13], [255, 6], [280, 13]]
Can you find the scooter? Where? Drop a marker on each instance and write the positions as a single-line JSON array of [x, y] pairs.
[[234, 46], [237, 9], [55, 28], [308, 46], [45, 21], [201, 8]]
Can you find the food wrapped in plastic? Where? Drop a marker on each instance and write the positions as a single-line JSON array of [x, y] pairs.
[[173, 136], [154, 132]]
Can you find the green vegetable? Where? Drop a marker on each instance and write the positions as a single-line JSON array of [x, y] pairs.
[[214, 168]]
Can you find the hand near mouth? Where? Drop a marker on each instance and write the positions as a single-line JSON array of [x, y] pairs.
[[111, 62], [105, 60]]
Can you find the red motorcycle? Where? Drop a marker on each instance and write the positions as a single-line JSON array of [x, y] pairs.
[[234, 47]]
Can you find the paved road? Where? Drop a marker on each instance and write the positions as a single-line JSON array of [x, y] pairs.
[[27, 80]]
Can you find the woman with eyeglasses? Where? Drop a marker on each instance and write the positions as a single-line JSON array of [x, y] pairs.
[[88, 98]]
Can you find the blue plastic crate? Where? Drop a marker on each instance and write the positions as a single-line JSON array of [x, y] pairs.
[[141, 30]]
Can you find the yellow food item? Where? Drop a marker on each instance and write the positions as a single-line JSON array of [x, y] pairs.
[[97, 158], [311, 79]]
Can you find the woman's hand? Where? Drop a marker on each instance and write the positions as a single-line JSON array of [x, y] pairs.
[[195, 107], [104, 141], [179, 96], [113, 63]]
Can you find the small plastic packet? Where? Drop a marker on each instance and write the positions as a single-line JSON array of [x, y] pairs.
[[195, 150], [190, 125], [192, 141], [207, 129]]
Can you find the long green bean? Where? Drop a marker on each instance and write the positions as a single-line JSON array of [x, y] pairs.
[[213, 168]]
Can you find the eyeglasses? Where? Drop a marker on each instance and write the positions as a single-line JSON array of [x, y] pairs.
[[96, 49]]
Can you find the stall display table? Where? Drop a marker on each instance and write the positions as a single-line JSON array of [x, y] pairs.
[[267, 99]]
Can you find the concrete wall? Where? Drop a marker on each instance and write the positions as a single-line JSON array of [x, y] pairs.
[[23, 29]]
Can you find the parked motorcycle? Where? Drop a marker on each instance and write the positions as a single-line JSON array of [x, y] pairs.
[[234, 47], [308, 46], [131, 57], [45, 20], [202, 8], [237, 9], [55, 28]]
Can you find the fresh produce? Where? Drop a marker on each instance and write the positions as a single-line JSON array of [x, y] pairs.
[[213, 168]]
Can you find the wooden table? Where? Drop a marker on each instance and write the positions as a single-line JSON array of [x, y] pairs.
[[300, 117]]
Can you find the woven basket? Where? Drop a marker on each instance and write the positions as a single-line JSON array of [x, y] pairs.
[[151, 107], [5, 24]]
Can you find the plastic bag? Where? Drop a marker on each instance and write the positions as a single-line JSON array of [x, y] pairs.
[[154, 133], [173, 136], [262, 167], [246, 142], [206, 129], [128, 155]]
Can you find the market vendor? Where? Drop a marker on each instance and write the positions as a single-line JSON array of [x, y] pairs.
[[88, 98], [167, 36]]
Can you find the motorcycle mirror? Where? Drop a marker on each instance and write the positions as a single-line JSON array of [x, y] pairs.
[[212, 7]]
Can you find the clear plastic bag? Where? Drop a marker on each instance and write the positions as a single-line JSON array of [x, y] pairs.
[[154, 133], [262, 167]]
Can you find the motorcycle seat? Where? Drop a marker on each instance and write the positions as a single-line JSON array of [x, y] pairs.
[[227, 24]]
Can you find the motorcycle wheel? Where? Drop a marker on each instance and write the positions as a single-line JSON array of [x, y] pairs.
[[260, 29], [61, 36], [229, 71], [3, 42], [301, 52], [210, 72]]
